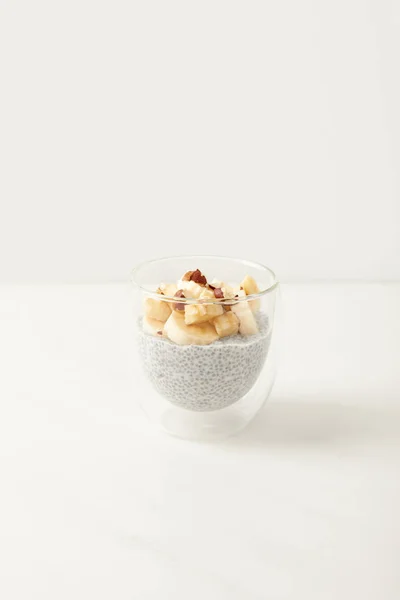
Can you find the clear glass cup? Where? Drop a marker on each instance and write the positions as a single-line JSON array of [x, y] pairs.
[[195, 384]]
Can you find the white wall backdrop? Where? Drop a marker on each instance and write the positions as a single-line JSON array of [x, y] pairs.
[[130, 130]]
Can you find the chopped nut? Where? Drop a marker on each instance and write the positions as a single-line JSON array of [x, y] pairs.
[[179, 305], [218, 293], [197, 277]]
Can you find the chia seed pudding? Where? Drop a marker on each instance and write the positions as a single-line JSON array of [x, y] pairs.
[[205, 378], [203, 345]]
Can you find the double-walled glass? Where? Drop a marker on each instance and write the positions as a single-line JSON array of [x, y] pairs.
[[207, 364]]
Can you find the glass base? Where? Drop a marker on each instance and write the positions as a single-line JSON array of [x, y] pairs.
[[206, 427], [203, 391], [210, 426]]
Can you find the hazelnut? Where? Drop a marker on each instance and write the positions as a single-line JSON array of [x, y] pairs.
[[198, 277], [179, 305]]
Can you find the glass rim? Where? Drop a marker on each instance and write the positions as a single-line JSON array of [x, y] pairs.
[[198, 257]]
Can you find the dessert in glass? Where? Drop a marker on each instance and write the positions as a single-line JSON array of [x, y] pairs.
[[204, 328]]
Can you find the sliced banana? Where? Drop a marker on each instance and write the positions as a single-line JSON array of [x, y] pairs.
[[196, 313], [191, 288], [200, 313], [169, 289], [250, 286], [213, 310], [156, 309], [202, 323], [216, 283], [247, 322], [226, 324], [153, 326], [179, 332], [227, 290], [207, 294]]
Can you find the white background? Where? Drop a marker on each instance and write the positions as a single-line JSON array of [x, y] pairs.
[[131, 130]]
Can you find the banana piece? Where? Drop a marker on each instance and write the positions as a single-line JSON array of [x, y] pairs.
[[226, 324], [168, 289], [191, 288], [247, 322], [207, 294], [216, 283], [200, 313], [153, 327], [213, 310], [227, 290], [196, 313], [156, 309], [179, 332], [250, 286]]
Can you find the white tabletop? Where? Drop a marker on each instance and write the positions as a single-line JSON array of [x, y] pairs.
[[304, 504]]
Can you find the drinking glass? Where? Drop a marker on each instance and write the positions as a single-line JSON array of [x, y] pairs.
[[194, 384]]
